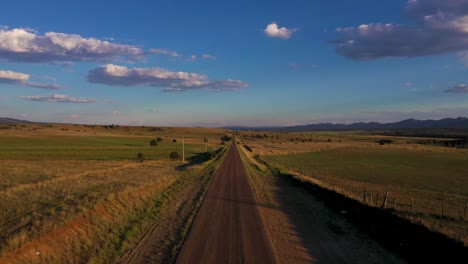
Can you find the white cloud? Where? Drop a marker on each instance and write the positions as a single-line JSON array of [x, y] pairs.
[[25, 45], [208, 57], [111, 74], [164, 52], [408, 84], [461, 88], [154, 110], [272, 30], [192, 58], [11, 76], [441, 26], [58, 98], [19, 78]]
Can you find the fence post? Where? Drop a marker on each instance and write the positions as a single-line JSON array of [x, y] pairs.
[[384, 204], [395, 203], [377, 199], [412, 204], [364, 196], [427, 205]]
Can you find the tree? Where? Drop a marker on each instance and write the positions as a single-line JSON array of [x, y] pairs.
[[159, 139], [153, 143], [140, 157], [174, 140], [174, 155]]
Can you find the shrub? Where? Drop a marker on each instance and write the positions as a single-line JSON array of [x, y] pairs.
[[153, 143], [385, 141], [159, 139], [174, 155], [226, 138], [174, 140], [140, 157]]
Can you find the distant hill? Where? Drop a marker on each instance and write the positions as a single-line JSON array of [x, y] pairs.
[[12, 121], [446, 123]]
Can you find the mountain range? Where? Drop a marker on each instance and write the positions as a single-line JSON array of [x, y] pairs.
[[446, 123]]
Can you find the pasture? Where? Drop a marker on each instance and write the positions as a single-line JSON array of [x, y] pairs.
[[75, 193], [424, 183]]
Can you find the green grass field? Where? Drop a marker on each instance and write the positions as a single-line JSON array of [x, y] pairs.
[[426, 183], [89, 148], [433, 171]]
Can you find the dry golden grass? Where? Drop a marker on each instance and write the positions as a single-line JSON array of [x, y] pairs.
[[61, 205]]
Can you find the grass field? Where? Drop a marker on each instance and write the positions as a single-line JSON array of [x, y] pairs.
[[81, 196], [424, 183], [432, 171]]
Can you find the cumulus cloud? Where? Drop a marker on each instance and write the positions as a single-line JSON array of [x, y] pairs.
[[111, 74], [19, 78], [441, 26], [272, 30], [25, 45], [461, 88], [57, 98], [164, 52]]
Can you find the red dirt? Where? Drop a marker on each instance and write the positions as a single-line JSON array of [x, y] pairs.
[[228, 227]]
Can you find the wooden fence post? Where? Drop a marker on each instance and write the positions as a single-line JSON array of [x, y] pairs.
[[412, 205], [377, 199], [364, 196], [427, 205], [384, 204], [395, 203]]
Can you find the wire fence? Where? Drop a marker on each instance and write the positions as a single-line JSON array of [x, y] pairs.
[[409, 201]]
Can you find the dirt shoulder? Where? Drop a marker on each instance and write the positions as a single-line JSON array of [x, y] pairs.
[[304, 230], [161, 243]]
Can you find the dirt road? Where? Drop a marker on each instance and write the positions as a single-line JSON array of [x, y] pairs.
[[228, 227]]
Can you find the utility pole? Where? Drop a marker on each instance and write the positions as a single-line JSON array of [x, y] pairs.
[[183, 149]]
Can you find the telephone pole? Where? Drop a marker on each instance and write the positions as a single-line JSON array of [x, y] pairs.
[[183, 149]]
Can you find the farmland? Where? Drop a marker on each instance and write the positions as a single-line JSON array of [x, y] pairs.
[[74, 193], [425, 183]]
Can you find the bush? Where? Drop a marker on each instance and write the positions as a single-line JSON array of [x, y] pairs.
[[385, 141], [140, 157], [174, 155], [174, 140], [159, 139], [153, 143], [226, 138]]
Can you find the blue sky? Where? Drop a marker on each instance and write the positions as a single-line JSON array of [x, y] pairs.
[[215, 63]]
